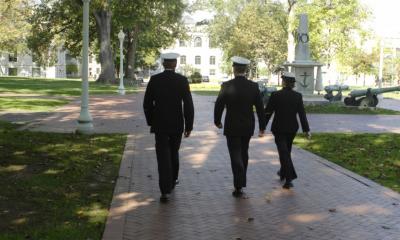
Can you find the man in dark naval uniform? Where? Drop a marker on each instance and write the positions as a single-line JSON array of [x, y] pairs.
[[238, 96], [286, 104], [162, 106]]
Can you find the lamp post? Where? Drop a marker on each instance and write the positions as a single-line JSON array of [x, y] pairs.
[[85, 124], [121, 89]]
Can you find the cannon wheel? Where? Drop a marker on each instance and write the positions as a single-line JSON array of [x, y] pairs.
[[368, 102], [364, 102], [349, 101]]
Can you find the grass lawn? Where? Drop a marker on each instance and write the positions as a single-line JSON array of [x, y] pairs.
[[341, 109], [60, 87], [56, 186], [375, 156], [30, 104], [206, 89]]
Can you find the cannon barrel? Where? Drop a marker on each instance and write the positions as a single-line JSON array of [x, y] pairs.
[[374, 91], [336, 87]]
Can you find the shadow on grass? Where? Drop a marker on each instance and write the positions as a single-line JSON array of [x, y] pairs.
[[56, 186]]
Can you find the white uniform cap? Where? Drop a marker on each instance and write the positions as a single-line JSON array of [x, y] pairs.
[[289, 75], [240, 60], [169, 56]]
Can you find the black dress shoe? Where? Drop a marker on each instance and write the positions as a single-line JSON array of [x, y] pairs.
[[176, 182], [237, 193], [279, 174], [287, 185], [164, 198]]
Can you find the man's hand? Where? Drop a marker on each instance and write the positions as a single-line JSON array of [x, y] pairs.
[[186, 134], [219, 125], [261, 133], [308, 135]]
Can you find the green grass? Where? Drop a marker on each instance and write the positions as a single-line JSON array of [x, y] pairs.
[[375, 156], [60, 87], [56, 186], [205, 89], [30, 104], [341, 109]]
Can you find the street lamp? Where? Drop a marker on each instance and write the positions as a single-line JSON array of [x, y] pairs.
[[121, 89], [85, 124]]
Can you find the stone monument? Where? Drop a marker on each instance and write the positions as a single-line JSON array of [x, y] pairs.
[[302, 66]]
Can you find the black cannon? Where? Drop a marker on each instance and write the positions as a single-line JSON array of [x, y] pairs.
[[329, 92], [367, 98]]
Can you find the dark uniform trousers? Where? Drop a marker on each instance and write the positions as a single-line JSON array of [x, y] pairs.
[[284, 143], [167, 147], [238, 150]]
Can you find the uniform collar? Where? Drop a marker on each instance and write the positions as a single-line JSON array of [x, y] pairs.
[[241, 77]]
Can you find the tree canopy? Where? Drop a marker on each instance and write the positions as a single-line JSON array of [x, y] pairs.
[[260, 29], [14, 27], [59, 22]]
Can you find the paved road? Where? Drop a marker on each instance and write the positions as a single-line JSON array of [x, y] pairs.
[[328, 202]]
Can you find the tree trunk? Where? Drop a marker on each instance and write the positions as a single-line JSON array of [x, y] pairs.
[[364, 81], [103, 25], [131, 54]]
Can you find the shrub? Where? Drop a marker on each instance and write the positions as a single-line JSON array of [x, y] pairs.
[[196, 77]]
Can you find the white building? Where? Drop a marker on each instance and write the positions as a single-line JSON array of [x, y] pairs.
[[24, 65], [197, 52]]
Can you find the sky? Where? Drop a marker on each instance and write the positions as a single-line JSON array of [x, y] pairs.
[[386, 18]]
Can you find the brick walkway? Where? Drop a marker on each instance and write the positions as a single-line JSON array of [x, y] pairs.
[[328, 202]]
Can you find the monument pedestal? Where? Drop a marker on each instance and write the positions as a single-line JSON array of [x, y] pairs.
[[304, 71]]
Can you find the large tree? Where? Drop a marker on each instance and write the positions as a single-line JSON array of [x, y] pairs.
[[252, 28], [14, 27], [149, 25], [334, 27], [59, 23], [155, 23]]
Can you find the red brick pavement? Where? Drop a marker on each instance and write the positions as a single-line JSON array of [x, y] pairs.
[[327, 202]]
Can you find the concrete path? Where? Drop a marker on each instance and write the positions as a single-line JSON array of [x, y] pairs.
[[393, 104], [328, 202]]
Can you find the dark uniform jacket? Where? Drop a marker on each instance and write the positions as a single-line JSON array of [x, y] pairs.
[[286, 104], [163, 100], [239, 95]]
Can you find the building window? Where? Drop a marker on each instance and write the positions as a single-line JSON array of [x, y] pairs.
[[212, 60], [98, 70], [12, 57], [35, 72], [197, 42], [183, 59], [90, 58], [182, 43], [212, 72], [12, 72], [197, 60]]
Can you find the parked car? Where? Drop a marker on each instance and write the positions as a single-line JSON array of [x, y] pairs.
[[205, 79]]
